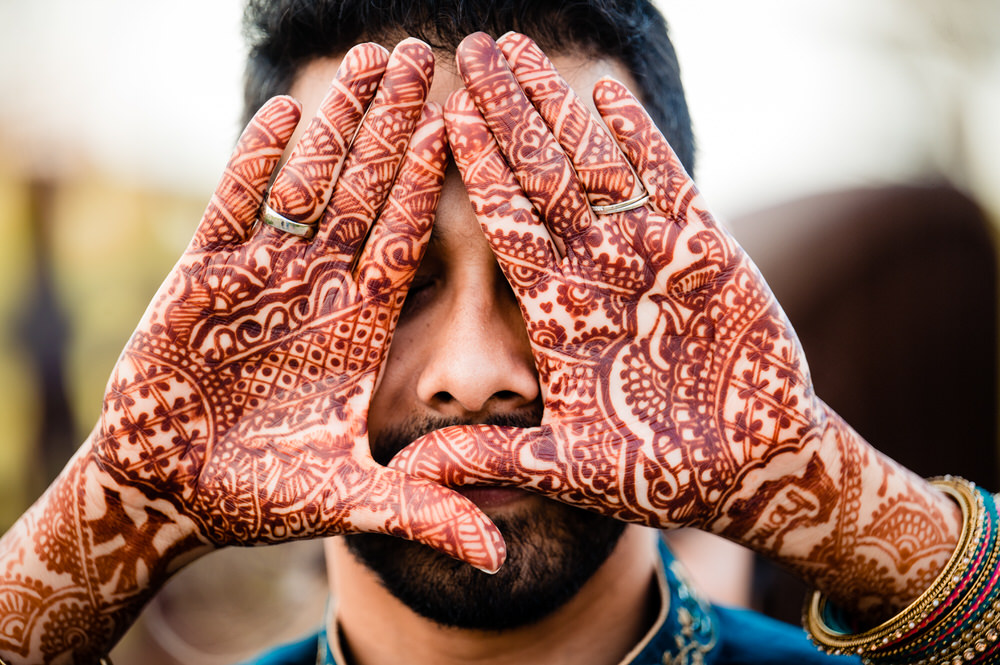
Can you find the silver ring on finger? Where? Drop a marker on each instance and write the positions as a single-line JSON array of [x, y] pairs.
[[631, 204], [272, 218]]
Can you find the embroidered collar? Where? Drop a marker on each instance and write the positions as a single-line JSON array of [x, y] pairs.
[[684, 633]]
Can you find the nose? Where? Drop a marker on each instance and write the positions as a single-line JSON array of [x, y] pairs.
[[481, 364]]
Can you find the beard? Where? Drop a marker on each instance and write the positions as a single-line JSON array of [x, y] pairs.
[[552, 550]]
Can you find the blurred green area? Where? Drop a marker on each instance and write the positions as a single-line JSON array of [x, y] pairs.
[[17, 401], [82, 257], [106, 246]]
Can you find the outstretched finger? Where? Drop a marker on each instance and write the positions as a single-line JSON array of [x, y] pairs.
[[519, 240], [667, 238], [398, 239], [232, 211], [424, 511], [670, 188], [539, 164], [606, 176], [374, 158], [302, 189]]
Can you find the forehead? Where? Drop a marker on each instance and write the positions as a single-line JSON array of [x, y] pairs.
[[581, 72]]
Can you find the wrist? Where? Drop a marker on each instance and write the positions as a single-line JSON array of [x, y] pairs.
[[83, 560], [850, 522], [953, 620]]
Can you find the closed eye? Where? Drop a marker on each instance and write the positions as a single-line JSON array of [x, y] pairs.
[[421, 292]]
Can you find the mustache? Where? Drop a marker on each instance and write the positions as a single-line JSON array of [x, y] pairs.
[[394, 438]]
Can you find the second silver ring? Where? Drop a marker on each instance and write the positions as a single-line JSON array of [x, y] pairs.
[[631, 204]]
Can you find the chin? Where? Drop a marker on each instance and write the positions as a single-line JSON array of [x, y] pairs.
[[552, 550]]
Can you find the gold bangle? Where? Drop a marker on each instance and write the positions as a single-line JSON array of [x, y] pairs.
[[838, 643]]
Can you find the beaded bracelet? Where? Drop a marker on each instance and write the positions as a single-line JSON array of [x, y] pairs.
[[953, 621], [966, 633]]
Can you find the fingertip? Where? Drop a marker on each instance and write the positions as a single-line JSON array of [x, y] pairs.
[[459, 101], [457, 527], [367, 51], [484, 548], [498, 555], [281, 114], [364, 62], [476, 40], [413, 43], [512, 43], [417, 52], [604, 83], [616, 103], [611, 95], [472, 48], [284, 102], [609, 81]]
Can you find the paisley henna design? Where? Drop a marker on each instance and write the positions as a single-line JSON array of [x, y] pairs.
[[236, 414], [676, 392]]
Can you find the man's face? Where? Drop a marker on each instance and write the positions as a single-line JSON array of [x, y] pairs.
[[460, 354]]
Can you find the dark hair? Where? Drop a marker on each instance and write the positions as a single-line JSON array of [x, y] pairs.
[[283, 35]]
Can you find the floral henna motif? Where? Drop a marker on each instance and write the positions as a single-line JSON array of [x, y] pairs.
[[676, 392], [304, 186], [237, 412], [637, 348]]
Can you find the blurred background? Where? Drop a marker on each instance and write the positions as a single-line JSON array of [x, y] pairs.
[[853, 147]]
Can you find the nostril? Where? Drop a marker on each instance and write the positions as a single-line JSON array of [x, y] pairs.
[[443, 397], [472, 404]]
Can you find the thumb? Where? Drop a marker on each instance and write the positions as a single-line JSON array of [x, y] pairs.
[[415, 509], [486, 455]]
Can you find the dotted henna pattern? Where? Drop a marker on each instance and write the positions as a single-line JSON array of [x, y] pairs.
[[236, 415], [676, 392]]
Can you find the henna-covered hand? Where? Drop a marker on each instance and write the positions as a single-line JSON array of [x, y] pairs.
[[676, 392], [237, 412], [244, 394], [666, 365]]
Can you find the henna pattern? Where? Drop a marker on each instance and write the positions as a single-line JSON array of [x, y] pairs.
[[676, 392], [237, 413], [305, 185]]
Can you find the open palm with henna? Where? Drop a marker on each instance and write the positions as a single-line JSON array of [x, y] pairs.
[[675, 390], [669, 371], [237, 413], [243, 395]]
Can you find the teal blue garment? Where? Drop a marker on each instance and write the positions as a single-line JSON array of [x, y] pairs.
[[302, 652], [693, 633]]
